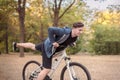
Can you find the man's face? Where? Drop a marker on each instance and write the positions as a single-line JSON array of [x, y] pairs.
[[78, 31]]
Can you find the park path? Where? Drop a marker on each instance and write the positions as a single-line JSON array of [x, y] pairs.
[[103, 67]]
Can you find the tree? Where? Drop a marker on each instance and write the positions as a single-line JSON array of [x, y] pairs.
[[107, 17], [114, 13], [21, 11], [6, 9], [55, 6], [36, 19]]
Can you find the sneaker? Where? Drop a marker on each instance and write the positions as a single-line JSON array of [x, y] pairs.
[[14, 46]]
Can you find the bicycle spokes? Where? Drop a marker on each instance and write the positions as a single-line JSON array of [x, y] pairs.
[[76, 71]]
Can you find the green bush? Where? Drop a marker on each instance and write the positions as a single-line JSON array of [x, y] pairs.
[[111, 48], [106, 39]]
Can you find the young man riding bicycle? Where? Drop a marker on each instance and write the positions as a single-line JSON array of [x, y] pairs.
[[58, 39]]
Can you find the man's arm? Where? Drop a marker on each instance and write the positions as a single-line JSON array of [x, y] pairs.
[[54, 31]]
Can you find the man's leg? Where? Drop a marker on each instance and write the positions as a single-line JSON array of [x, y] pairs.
[[43, 74], [46, 63], [24, 45]]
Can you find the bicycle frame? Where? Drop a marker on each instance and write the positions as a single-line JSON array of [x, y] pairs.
[[64, 56]]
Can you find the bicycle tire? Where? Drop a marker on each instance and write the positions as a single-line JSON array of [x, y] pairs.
[[80, 66], [27, 65]]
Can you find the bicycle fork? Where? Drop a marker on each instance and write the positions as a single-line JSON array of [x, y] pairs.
[[70, 69]]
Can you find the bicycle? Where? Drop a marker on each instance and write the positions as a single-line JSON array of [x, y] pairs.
[[76, 71]]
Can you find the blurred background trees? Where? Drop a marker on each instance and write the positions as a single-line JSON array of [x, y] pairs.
[[28, 20], [7, 24], [107, 31]]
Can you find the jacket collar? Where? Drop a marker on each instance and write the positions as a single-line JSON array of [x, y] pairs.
[[67, 30]]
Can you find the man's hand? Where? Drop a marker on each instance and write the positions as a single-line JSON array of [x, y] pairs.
[[55, 44], [74, 44]]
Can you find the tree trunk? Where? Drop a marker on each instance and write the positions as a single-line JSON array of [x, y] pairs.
[[22, 35], [21, 11], [56, 18], [6, 39], [56, 9], [41, 32]]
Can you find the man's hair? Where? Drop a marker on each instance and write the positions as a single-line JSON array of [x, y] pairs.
[[78, 25]]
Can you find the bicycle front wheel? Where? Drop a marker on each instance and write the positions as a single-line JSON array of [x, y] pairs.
[[31, 70], [76, 71]]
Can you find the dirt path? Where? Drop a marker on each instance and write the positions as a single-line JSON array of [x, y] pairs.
[[100, 67]]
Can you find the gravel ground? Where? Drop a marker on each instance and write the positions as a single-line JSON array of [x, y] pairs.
[[104, 67]]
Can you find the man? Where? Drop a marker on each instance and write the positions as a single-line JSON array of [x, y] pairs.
[[58, 39]]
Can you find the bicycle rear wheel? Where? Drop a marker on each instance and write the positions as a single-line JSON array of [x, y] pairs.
[[78, 72], [31, 70]]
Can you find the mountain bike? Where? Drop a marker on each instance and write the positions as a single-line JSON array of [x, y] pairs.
[[71, 71]]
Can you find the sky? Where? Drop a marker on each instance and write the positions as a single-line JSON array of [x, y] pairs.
[[101, 5]]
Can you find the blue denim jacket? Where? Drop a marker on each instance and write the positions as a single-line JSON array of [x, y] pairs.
[[55, 34]]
